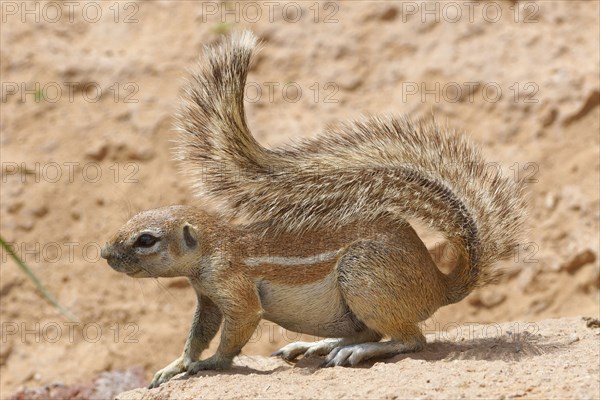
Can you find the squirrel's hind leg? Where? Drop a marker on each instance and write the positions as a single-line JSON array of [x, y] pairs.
[[355, 353], [320, 348], [390, 286], [323, 347]]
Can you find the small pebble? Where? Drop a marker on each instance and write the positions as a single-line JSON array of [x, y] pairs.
[[579, 260], [573, 338]]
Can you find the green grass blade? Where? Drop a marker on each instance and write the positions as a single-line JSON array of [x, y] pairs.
[[37, 282]]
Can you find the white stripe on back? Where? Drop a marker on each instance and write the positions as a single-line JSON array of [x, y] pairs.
[[290, 261]]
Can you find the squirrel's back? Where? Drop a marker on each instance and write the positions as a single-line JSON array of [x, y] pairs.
[[362, 170]]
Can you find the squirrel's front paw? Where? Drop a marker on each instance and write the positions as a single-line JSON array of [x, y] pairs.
[[210, 363], [176, 367]]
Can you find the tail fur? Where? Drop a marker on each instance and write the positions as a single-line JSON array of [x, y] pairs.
[[371, 168]]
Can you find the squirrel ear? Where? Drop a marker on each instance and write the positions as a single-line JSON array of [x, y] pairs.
[[189, 236]]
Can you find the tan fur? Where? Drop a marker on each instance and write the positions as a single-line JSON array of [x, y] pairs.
[[328, 250], [299, 276]]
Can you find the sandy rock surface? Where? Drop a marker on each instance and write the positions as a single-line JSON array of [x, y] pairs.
[[86, 136], [555, 358]]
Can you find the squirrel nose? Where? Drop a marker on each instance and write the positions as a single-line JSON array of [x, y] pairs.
[[105, 251]]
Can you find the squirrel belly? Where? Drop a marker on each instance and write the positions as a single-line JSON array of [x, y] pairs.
[[375, 167]]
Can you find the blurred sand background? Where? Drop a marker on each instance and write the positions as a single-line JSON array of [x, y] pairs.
[[88, 91]]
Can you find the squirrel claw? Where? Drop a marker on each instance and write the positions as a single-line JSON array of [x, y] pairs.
[[176, 367], [307, 349], [208, 364], [347, 355], [292, 351]]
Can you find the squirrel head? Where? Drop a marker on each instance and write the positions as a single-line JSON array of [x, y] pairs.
[[156, 243]]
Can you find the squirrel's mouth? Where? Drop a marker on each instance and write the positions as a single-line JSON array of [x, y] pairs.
[[135, 273], [115, 264], [119, 266], [114, 261]]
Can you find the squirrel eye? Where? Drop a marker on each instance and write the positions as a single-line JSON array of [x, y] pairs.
[[145, 240]]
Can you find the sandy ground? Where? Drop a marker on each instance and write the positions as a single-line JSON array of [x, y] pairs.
[[472, 361], [85, 135]]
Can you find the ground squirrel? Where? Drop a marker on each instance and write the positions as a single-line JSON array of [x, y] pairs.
[[325, 249]]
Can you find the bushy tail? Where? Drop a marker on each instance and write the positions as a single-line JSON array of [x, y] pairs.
[[211, 117], [375, 167]]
